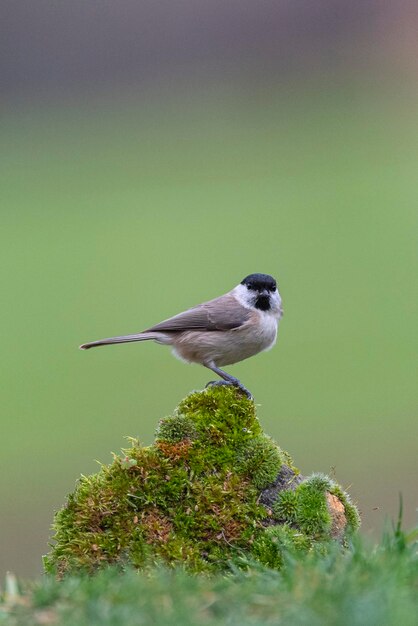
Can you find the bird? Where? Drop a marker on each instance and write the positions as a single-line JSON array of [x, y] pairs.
[[223, 331]]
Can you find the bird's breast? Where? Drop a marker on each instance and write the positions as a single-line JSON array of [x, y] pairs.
[[227, 347]]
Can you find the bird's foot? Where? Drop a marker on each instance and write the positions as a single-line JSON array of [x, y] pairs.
[[236, 384]]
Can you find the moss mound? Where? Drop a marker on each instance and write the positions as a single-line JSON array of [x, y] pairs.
[[212, 489]]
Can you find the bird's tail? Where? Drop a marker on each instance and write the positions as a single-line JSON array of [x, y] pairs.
[[121, 339]]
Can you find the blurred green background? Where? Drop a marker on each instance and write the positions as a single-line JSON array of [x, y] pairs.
[[126, 198]]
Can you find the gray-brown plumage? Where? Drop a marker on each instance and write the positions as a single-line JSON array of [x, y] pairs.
[[219, 332]]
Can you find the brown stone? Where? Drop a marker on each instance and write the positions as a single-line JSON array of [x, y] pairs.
[[337, 511]]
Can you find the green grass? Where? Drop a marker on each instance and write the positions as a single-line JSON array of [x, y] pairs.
[[366, 586]]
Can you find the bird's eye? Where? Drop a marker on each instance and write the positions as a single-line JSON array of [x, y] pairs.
[[249, 286], [273, 288]]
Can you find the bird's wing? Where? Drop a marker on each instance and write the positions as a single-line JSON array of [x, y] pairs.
[[223, 313]]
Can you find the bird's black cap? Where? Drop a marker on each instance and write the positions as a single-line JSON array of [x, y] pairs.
[[258, 282]]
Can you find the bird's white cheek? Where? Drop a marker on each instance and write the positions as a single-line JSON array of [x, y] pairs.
[[276, 305], [244, 297]]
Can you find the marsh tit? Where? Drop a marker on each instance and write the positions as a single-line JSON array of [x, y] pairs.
[[223, 331]]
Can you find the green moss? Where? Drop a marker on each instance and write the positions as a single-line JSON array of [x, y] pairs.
[[266, 550], [270, 546], [193, 497], [313, 516], [176, 428], [286, 506], [321, 482], [260, 459], [221, 416], [306, 507]]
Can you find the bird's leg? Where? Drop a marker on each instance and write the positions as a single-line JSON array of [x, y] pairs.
[[227, 380]]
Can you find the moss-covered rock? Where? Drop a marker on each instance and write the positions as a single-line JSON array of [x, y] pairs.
[[212, 489]]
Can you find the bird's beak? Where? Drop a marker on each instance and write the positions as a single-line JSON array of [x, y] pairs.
[[264, 293]]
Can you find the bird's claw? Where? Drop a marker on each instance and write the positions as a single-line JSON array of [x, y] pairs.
[[237, 385]]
